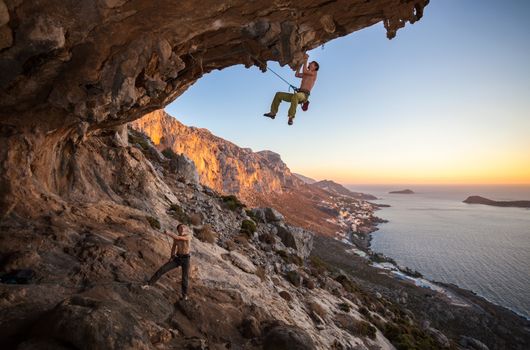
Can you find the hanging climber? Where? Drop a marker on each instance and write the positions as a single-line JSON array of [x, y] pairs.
[[180, 256], [300, 95]]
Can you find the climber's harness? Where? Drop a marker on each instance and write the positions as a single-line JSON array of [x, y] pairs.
[[305, 92]]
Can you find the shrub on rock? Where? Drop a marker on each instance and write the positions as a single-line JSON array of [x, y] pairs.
[[206, 234], [354, 326], [169, 153], [267, 238], [154, 222], [248, 227], [294, 277], [232, 202], [178, 213]]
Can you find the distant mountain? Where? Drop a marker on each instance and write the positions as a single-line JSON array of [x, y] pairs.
[[486, 201], [305, 179], [407, 191], [221, 165], [338, 189]]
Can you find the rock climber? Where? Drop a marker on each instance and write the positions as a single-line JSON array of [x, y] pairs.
[[301, 95], [180, 256]]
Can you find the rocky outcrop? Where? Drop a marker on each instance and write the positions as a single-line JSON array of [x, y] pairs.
[[222, 165], [267, 215], [108, 61], [184, 168], [73, 70], [297, 238]]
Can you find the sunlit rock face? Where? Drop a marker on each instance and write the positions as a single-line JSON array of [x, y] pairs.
[[222, 165], [73, 69]]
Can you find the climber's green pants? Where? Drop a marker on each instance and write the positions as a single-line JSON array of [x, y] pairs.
[[295, 99]]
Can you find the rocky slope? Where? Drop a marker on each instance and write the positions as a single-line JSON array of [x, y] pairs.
[[222, 165], [305, 179], [71, 279]]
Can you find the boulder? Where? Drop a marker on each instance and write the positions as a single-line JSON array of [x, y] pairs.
[[284, 337], [296, 238], [242, 262], [316, 308], [185, 169], [86, 323], [472, 343], [272, 215], [250, 328], [267, 215], [439, 337]]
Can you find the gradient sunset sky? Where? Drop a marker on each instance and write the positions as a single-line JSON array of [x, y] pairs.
[[447, 101]]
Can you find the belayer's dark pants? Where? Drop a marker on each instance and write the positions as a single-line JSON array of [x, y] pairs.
[[179, 260]]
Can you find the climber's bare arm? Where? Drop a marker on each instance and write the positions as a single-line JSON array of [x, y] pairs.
[[306, 70], [184, 238], [177, 237]]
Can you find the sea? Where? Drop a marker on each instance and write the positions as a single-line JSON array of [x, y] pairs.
[[481, 248]]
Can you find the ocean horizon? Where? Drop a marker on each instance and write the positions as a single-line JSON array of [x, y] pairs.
[[481, 248]]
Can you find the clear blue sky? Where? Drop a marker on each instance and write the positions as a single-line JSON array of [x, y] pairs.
[[446, 101]]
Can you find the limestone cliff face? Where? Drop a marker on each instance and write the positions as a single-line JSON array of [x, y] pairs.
[[221, 164]]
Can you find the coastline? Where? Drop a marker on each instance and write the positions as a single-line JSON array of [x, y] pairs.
[[377, 258]]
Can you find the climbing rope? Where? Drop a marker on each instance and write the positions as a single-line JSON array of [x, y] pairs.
[[291, 86], [244, 50]]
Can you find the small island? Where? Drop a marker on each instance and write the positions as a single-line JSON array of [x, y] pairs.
[[407, 191], [486, 201]]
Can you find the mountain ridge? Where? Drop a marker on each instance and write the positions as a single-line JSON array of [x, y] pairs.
[[221, 164]]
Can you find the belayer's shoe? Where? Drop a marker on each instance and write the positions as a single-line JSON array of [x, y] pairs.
[[270, 115], [290, 121]]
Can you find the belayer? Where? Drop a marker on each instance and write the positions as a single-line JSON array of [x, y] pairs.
[[300, 95], [180, 256]]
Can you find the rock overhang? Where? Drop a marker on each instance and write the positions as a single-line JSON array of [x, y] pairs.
[[107, 62]]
